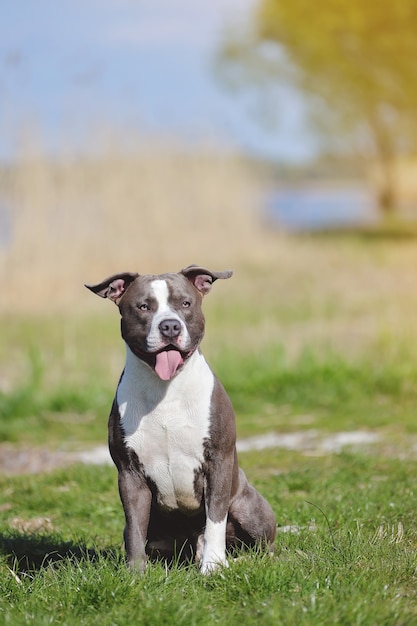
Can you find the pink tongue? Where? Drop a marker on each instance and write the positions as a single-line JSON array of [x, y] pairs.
[[167, 363]]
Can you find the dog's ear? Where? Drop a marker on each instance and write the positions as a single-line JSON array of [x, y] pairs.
[[203, 278], [114, 286]]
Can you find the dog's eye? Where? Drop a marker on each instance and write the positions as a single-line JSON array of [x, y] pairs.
[[186, 304], [143, 307]]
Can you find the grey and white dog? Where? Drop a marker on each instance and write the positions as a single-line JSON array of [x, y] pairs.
[[172, 431]]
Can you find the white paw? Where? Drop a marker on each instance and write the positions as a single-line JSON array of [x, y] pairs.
[[214, 550], [209, 567]]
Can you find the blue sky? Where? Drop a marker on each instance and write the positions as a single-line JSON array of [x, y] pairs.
[[67, 65]]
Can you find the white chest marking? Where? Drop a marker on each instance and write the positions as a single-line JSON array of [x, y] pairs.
[[166, 423]]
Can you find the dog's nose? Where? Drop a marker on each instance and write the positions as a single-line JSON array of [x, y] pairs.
[[170, 328]]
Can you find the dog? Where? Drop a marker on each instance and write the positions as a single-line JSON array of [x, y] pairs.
[[172, 431]]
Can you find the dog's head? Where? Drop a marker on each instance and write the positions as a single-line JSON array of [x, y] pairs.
[[162, 321]]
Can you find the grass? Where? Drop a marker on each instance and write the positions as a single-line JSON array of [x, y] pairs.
[[60, 373], [270, 391], [350, 558]]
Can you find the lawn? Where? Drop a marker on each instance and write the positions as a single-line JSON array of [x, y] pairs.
[[345, 552], [319, 335]]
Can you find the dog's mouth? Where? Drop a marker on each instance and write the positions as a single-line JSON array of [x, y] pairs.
[[166, 362]]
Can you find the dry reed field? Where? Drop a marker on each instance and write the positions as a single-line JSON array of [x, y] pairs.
[[78, 220], [159, 208]]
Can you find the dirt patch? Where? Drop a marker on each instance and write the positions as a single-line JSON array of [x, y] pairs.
[[309, 441], [18, 460], [25, 460], [32, 525]]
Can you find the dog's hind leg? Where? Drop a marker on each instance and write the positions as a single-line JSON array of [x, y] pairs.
[[251, 519]]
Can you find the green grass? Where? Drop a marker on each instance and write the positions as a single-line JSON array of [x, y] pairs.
[[35, 414], [351, 558], [270, 391]]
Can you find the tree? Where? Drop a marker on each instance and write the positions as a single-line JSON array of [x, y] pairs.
[[355, 61]]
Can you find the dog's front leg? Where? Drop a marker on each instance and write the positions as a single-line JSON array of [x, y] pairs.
[[217, 498], [136, 498]]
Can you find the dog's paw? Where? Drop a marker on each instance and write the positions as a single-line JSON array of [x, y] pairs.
[[139, 566], [210, 567]]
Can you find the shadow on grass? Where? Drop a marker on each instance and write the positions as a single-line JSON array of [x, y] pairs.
[[27, 553]]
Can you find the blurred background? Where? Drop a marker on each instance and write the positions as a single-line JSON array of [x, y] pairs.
[[253, 135], [145, 135]]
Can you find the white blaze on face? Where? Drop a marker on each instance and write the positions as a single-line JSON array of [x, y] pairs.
[[167, 362], [159, 290]]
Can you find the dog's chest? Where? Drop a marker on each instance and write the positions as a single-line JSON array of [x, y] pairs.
[[167, 425]]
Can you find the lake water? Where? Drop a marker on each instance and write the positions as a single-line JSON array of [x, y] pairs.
[[318, 208]]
